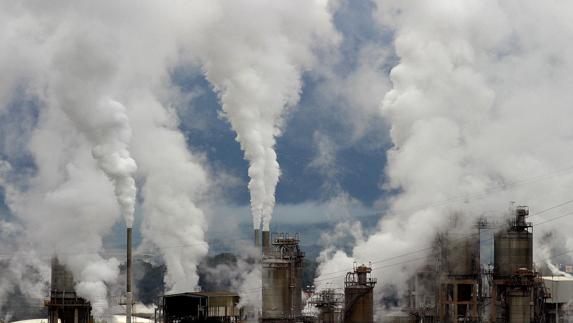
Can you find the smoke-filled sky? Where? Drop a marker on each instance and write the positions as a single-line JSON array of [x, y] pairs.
[[188, 117]]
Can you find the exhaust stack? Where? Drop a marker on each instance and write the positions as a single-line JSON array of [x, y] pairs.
[[266, 242], [129, 298]]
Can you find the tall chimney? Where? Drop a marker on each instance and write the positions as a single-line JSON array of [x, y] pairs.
[[266, 242], [257, 238], [129, 298]]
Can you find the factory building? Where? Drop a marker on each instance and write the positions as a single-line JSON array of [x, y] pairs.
[[456, 289], [64, 306], [281, 278], [452, 286], [199, 307]]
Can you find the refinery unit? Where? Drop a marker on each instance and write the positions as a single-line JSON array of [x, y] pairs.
[[281, 278], [452, 287], [456, 289], [63, 304]]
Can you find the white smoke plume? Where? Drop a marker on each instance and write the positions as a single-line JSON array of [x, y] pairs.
[[256, 66], [90, 72], [174, 183], [82, 88], [477, 112], [65, 210]]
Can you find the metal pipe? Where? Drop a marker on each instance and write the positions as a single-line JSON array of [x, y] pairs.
[[266, 242], [128, 300]]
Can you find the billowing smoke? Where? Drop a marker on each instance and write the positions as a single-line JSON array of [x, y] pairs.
[[174, 183], [99, 90], [64, 210], [477, 112], [83, 90], [65, 64], [256, 66]]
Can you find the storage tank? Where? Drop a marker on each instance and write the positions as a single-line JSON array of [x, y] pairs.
[[266, 242], [282, 279], [358, 296], [514, 275], [513, 248]]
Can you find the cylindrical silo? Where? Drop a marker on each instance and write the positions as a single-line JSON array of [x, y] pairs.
[[358, 296], [513, 248], [514, 274], [266, 242], [282, 280]]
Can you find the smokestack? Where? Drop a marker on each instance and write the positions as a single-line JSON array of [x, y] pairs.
[[266, 242], [128, 299], [257, 238]]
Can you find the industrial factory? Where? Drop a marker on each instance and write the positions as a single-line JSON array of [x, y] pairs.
[[453, 287], [63, 304], [457, 289]]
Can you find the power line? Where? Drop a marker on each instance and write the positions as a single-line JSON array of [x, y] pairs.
[[461, 238], [329, 279]]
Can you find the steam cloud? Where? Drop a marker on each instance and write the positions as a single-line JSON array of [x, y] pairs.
[[256, 65], [84, 96], [475, 108], [105, 101], [94, 84], [476, 112]]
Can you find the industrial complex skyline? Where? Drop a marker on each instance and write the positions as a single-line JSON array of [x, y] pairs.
[[286, 161]]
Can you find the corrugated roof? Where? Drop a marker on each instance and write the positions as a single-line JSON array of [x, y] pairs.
[[215, 294], [205, 294]]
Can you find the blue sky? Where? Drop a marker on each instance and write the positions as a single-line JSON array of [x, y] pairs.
[[359, 154], [360, 161]]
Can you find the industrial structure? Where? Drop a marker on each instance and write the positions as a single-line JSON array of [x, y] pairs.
[[359, 296], [452, 286], [199, 307], [64, 306], [447, 289], [458, 277], [456, 289], [329, 303], [129, 294], [517, 293], [281, 279], [558, 307]]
